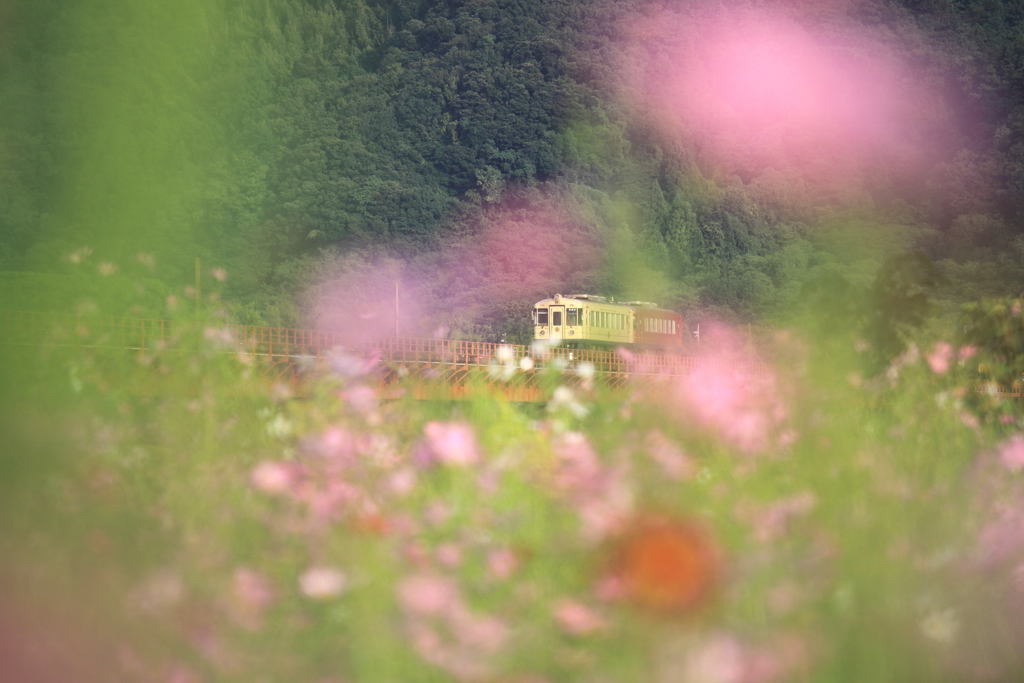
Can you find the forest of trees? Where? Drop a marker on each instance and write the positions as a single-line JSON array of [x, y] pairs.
[[483, 154]]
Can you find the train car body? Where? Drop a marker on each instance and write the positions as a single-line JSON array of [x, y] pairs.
[[585, 320]]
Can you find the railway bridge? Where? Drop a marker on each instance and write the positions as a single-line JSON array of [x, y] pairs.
[[443, 369]]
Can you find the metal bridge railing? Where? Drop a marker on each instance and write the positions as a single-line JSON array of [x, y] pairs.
[[141, 334]]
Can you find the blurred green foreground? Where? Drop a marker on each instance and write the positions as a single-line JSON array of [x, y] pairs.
[[174, 517]]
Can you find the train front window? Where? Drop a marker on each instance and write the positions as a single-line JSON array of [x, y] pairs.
[[556, 317], [572, 316], [541, 315]]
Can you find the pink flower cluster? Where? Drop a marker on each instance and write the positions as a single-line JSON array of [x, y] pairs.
[[723, 658], [445, 632], [601, 495], [943, 355], [451, 443], [742, 408]]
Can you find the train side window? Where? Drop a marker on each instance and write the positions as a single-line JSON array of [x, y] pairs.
[[542, 316], [572, 316]]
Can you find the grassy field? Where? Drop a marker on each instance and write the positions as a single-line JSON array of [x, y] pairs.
[[807, 525]]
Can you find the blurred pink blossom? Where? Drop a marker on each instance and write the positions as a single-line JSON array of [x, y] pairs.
[[451, 442], [501, 562], [251, 594], [182, 674], [273, 476], [718, 660], [336, 444], [735, 397], [402, 482], [1002, 536], [578, 466], [427, 594], [449, 555], [219, 274], [480, 632], [577, 619], [966, 352], [362, 398], [940, 357], [610, 588], [350, 365], [444, 632], [675, 464], [1011, 453], [437, 513], [322, 583], [326, 504]]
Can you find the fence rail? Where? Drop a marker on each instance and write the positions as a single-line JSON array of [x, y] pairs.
[[276, 343]]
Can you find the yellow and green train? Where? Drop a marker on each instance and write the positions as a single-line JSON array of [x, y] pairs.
[[587, 320]]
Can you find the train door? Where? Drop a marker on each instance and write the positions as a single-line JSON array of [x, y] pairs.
[[573, 324], [557, 320]]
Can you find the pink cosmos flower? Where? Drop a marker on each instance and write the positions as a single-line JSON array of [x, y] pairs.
[[674, 463], [966, 352], [479, 632], [719, 660], [451, 442], [576, 619], [449, 555], [940, 358], [322, 583], [578, 466], [737, 401], [252, 588], [273, 477], [1011, 453], [362, 398], [402, 482], [437, 513], [427, 594], [501, 563], [251, 594]]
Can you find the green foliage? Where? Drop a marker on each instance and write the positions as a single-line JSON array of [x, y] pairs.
[[256, 134], [328, 529], [884, 316], [995, 329]]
